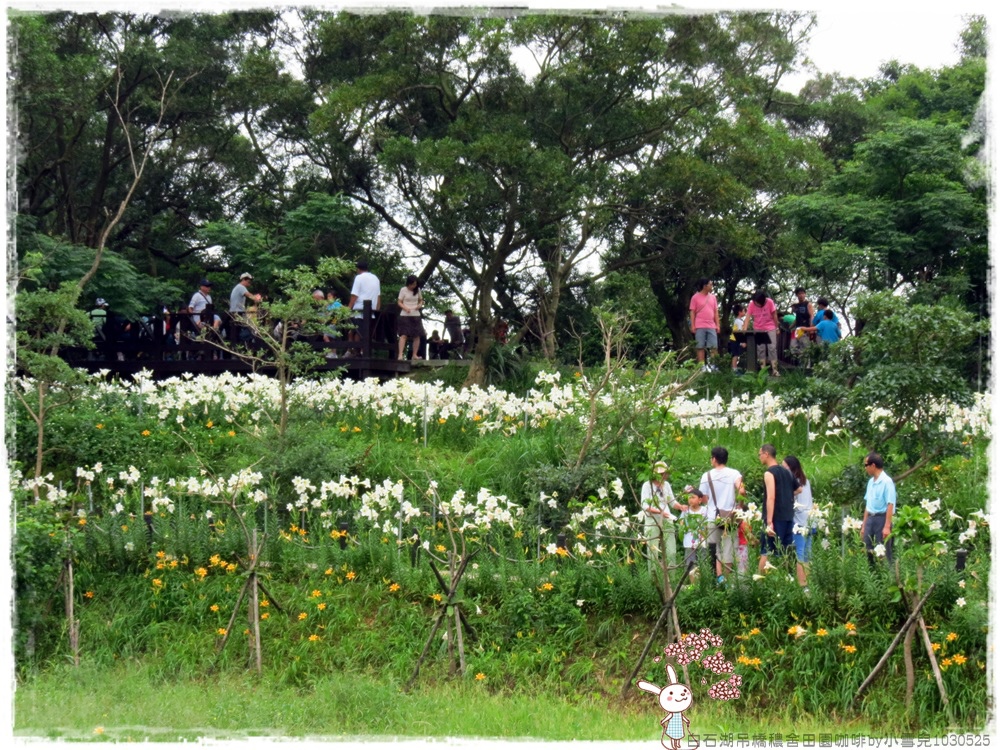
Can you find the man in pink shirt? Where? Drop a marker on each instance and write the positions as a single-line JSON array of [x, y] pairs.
[[705, 325], [764, 317]]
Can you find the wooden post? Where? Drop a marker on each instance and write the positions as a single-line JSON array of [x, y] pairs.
[[255, 606], [74, 624]]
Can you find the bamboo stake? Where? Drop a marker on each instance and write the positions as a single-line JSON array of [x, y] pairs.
[[895, 642], [74, 624], [460, 644], [255, 607], [659, 623]]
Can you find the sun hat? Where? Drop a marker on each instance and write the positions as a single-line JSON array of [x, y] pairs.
[[245, 276], [660, 466]]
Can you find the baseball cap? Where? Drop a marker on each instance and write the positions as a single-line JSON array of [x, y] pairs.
[[101, 302], [245, 276], [205, 282]]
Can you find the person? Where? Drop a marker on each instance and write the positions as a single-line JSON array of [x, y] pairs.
[[743, 534], [719, 485], [704, 315], [332, 305], [201, 302], [764, 319], [822, 305], [366, 288], [778, 512], [738, 339], [434, 344], [657, 498], [453, 327], [827, 329], [98, 317], [801, 530], [693, 522], [409, 325], [238, 305], [880, 504], [802, 309]]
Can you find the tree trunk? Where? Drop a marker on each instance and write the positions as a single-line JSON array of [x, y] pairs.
[[40, 421], [482, 334]]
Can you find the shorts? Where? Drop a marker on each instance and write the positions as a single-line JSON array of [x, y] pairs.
[[725, 539], [735, 349], [783, 538], [705, 338], [768, 350]]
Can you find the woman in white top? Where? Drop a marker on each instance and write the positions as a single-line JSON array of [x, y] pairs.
[[657, 499], [409, 325], [802, 531]]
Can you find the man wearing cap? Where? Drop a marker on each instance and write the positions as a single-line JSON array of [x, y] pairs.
[[201, 300], [99, 316], [657, 498], [366, 288]]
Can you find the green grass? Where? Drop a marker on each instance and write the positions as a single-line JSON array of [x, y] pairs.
[[136, 703]]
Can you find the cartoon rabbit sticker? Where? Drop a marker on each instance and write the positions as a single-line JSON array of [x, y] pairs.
[[675, 699]]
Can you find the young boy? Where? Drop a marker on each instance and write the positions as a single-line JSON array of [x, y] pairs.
[[693, 521]]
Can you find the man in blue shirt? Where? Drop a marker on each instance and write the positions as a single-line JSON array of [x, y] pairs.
[[822, 305], [880, 503]]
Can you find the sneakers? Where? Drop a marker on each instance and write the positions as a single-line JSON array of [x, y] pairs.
[[709, 368], [720, 580]]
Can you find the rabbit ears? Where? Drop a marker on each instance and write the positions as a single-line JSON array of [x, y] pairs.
[[649, 687], [671, 674]]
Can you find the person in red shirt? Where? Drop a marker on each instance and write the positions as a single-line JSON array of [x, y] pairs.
[[764, 321], [704, 312]]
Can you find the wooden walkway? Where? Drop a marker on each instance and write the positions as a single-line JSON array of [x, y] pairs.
[[155, 346]]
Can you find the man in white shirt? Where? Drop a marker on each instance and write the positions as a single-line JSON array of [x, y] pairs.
[[199, 301], [720, 485], [366, 288]]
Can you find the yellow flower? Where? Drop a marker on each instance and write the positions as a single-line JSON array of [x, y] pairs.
[[577, 375], [100, 426], [321, 606], [316, 593], [82, 522], [351, 575], [937, 468], [581, 535], [214, 608], [231, 433], [821, 632], [265, 615], [476, 418], [442, 420], [265, 603], [849, 626], [157, 583], [302, 615], [755, 631], [221, 631], [160, 555], [436, 597], [480, 676], [562, 552], [231, 568], [209, 424], [951, 637], [946, 663], [394, 587], [797, 630], [518, 534], [160, 566], [547, 586], [314, 637], [343, 429], [356, 429], [848, 648], [679, 438], [200, 572], [959, 659], [328, 572], [214, 560], [124, 527], [98, 730], [146, 433], [440, 548], [936, 647], [89, 594], [173, 563]]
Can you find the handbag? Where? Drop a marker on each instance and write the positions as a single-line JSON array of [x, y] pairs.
[[725, 515]]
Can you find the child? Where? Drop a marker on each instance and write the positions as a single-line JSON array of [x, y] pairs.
[[693, 520], [742, 553], [738, 339]]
